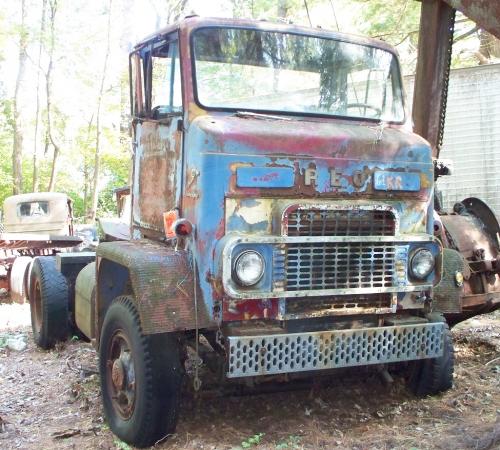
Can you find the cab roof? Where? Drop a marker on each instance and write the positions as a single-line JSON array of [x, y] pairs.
[[35, 197], [190, 23]]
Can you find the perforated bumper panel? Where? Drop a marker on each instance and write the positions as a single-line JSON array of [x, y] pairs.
[[299, 352]]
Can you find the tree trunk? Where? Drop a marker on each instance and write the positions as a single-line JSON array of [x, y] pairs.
[[283, 8], [17, 148], [48, 86], [36, 181], [91, 213]]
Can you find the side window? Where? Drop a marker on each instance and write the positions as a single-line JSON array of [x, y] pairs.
[[166, 94], [137, 106]]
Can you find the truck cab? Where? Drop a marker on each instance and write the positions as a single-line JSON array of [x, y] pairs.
[[282, 209], [38, 213]]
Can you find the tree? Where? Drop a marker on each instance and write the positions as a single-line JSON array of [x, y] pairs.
[[91, 214], [17, 148], [36, 180], [48, 88]]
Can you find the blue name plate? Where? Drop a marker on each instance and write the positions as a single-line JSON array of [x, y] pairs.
[[265, 177], [396, 181]]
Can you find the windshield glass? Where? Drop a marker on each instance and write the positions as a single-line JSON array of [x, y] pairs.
[[256, 70]]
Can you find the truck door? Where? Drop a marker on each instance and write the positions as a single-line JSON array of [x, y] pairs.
[[157, 126]]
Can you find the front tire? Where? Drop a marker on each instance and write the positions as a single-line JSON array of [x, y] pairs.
[[49, 297], [141, 377], [432, 376]]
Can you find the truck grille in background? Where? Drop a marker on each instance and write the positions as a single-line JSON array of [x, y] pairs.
[[355, 222], [346, 265]]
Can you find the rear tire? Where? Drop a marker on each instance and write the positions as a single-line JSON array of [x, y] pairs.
[[141, 377], [49, 298], [432, 376]]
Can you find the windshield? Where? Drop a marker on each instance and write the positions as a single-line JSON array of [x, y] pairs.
[[256, 70]]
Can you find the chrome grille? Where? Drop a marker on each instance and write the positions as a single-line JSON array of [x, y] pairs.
[[345, 265], [333, 222]]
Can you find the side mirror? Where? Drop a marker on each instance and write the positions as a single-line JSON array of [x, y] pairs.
[[442, 167]]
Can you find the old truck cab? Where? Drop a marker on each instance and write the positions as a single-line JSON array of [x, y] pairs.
[[282, 209], [39, 213]]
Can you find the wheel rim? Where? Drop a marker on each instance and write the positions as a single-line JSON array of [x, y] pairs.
[[120, 375], [37, 306]]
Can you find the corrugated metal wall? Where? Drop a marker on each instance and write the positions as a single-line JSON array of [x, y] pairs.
[[472, 135]]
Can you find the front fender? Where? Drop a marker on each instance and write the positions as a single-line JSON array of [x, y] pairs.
[[160, 280]]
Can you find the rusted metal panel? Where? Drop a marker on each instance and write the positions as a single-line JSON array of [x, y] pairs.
[[486, 13], [157, 162], [163, 284], [480, 290], [432, 65], [448, 293]]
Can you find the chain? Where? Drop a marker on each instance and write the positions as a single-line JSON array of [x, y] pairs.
[[446, 82]]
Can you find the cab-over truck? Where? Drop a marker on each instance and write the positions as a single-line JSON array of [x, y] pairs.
[[282, 225]]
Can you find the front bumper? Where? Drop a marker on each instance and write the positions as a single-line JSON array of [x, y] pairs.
[[310, 351]]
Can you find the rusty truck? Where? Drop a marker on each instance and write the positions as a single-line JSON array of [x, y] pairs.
[[282, 226], [34, 224]]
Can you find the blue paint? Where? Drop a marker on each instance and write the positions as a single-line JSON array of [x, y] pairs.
[[264, 177], [225, 166], [396, 181]]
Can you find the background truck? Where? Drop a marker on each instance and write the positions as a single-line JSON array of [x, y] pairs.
[[282, 226], [33, 224]]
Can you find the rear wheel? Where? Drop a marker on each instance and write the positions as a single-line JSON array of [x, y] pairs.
[[48, 303], [141, 377], [432, 376]]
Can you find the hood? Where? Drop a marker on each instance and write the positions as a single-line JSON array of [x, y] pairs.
[[242, 133], [282, 156]]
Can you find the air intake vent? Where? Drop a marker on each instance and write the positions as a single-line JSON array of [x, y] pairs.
[[354, 222]]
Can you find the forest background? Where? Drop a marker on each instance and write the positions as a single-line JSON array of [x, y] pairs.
[[64, 96]]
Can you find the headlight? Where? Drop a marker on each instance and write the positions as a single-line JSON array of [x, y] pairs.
[[249, 268], [422, 263]]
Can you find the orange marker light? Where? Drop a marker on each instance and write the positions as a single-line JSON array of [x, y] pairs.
[[169, 218]]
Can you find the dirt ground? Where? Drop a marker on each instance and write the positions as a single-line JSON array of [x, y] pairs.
[[51, 400]]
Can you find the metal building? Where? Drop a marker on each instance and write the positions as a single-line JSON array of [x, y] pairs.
[[472, 135]]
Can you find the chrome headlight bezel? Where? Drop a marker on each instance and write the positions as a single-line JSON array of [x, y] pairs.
[[238, 269]]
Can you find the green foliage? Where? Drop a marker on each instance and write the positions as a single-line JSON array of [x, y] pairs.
[[120, 445], [291, 442], [396, 22], [5, 148], [252, 440]]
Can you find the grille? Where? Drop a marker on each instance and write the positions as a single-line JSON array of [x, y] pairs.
[[347, 265], [354, 222], [327, 305], [298, 352]]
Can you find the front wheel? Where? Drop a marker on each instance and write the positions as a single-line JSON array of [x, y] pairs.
[[141, 377], [432, 376]]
